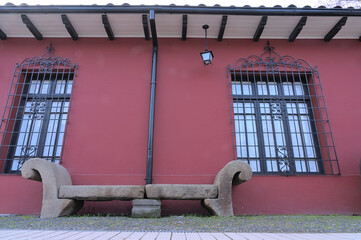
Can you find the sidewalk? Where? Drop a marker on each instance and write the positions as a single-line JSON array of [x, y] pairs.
[[104, 235]]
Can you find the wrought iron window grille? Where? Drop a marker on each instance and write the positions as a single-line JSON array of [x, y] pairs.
[[34, 121], [279, 116]]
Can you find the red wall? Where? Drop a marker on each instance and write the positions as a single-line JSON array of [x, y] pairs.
[[106, 141]]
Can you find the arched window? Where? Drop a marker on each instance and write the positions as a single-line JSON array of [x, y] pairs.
[[280, 119], [36, 112]]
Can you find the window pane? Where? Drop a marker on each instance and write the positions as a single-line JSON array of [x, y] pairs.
[[291, 108], [245, 128], [255, 165], [34, 86], [296, 137], [236, 88], [65, 107], [302, 108], [35, 132], [287, 88], [247, 88], [240, 136], [251, 136], [23, 134], [238, 108], [273, 88], [268, 136], [51, 135], [279, 133], [45, 87], [300, 166], [56, 107], [272, 166], [60, 86], [313, 167], [15, 165], [28, 108], [69, 87], [61, 134], [298, 89], [262, 88], [249, 108], [265, 108], [308, 138]]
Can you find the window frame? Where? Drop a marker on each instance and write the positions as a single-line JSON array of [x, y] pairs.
[[272, 68], [30, 106], [282, 99]]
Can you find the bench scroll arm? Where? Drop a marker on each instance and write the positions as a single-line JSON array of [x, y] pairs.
[[234, 173], [53, 176]]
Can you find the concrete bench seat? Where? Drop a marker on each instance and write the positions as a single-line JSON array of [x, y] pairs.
[[101, 192], [61, 198], [181, 191]]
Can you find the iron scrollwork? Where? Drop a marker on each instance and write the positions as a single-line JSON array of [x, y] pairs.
[[278, 111], [47, 61], [271, 61], [283, 159], [37, 108], [27, 152]]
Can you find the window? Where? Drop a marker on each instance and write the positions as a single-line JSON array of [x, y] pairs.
[[36, 112], [280, 118]]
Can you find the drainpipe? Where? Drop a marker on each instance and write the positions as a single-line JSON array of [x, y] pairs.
[[149, 176]]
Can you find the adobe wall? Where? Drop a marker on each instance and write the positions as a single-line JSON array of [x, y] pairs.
[[107, 134]]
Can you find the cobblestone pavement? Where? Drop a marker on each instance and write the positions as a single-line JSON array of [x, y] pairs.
[[258, 224], [101, 235]]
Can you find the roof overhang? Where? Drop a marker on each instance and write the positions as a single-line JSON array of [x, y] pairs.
[[181, 22]]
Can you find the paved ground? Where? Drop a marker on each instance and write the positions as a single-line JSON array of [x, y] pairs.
[[101, 235], [182, 227], [299, 223]]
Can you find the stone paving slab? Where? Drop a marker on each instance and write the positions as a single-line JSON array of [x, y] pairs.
[[114, 235]]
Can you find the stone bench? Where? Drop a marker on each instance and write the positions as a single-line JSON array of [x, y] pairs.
[[217, 198], [61, 198]]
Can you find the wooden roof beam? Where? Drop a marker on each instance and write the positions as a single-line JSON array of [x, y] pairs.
[[2, 35], [145, 27], [260, 28], [107, 27], [335, 29], [297, 29], [69, 27], [222, 28], [31, 27], [184, 27]]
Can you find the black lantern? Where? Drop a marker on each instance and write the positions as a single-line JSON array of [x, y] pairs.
[[207, 56]]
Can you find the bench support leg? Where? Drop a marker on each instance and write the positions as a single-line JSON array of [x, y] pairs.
[[218, 207], [146, 208], [52, 208]]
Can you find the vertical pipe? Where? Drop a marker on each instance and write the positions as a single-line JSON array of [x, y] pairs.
[[149, 173], [151, 118]]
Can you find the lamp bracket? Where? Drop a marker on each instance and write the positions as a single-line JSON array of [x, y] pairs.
[[205, 26]]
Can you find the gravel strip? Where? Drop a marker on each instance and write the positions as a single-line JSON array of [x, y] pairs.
[[294, 224]]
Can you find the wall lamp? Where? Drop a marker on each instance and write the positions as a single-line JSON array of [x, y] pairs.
[[207, 56]]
